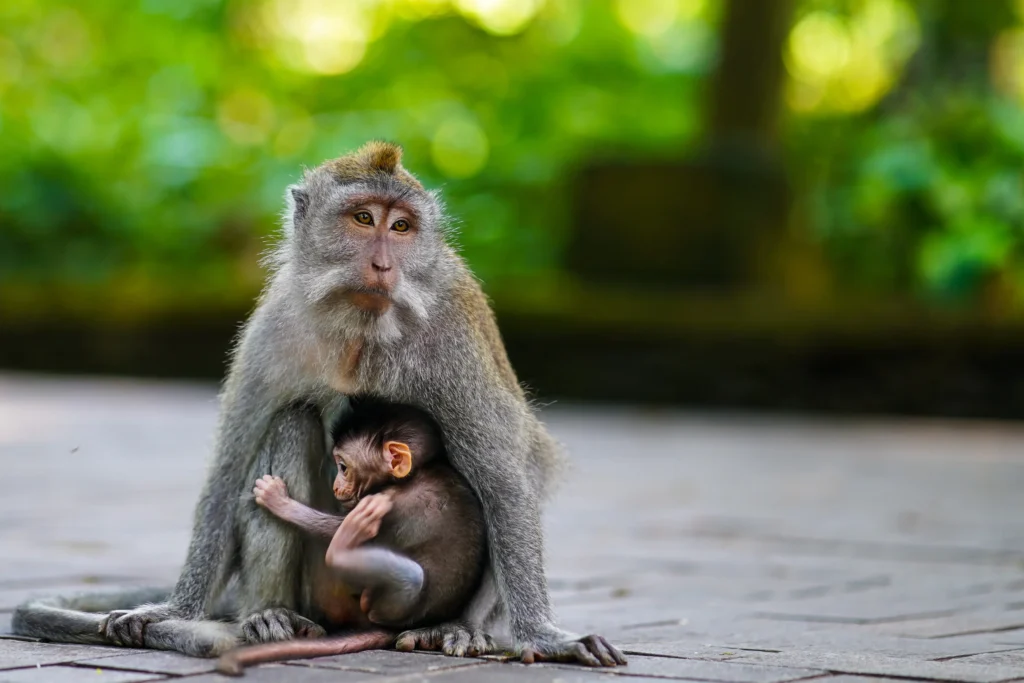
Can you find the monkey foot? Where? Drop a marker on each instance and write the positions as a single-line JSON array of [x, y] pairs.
[[277, 623], [128, 627], [555, 645], [454, 639]]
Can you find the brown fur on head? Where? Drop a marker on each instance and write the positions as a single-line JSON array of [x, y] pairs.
[[379, 443], [376, 157]]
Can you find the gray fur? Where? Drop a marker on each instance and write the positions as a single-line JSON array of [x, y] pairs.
[[437, 348]]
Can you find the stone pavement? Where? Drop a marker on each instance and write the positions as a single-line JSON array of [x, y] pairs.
[[735, 549]]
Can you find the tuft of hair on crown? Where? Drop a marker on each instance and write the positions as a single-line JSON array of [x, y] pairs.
[[375, 158]]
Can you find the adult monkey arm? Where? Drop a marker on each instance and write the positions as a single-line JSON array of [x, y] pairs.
[[246, 412], [496, 442]]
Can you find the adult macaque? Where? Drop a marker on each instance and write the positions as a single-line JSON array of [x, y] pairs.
[[367, 297], [411, 550]]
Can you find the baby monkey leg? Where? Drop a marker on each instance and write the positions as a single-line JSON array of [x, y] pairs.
[[391, 583]]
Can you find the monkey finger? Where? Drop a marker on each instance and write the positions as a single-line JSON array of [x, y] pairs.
[[455, 643], [574, 651], [615, 652], [597, 646], [107, 626], [528, 656], [256, 630], [405, 642], [480, 643], [137, 630], [581, 654]]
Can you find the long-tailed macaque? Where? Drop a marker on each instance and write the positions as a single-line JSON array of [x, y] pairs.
[[410, 551], [365, 297]]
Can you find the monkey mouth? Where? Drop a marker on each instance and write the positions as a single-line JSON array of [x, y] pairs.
[[370, 299]]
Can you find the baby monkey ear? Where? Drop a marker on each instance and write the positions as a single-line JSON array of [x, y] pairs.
[[400, 458]]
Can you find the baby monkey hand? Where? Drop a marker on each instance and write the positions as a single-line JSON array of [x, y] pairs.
[[363, 523], [270, 492]]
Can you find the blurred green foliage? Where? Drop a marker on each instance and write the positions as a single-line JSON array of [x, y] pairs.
[[923, 192], [151, 141], [157, 137]]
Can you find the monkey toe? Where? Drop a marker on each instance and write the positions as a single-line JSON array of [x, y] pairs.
[[124, 628], [480, 644], [420, 639], [591, 650], [306, 628], [269, 626], [604, 651], [456, 642]]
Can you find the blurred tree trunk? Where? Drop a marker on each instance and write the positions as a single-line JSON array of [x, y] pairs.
[[711, 222], [747, 83]]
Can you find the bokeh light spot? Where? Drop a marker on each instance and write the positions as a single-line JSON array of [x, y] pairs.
[[460, 147], [322, 36], [845, 64], [500, 17], [246, 116]]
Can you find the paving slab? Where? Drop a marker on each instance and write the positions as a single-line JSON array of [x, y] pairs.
[[392, 663], [765, 547], [880, 665], [1005, 623], [538, 673], [704, 670], [153, 662], [73, 674], [16, 654], [282, 673]]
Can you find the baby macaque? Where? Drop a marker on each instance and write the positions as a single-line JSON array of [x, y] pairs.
[[410, 552]]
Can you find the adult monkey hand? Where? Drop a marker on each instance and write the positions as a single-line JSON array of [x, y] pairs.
[[366, 296]]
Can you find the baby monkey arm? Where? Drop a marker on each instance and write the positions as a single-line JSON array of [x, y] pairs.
[[272, 493]]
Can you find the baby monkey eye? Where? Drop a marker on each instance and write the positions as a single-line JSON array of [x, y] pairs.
[[401, 225], [342, 467], [363, 217]]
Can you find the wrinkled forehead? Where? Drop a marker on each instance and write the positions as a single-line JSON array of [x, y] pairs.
[[357, 448], [384, 189]]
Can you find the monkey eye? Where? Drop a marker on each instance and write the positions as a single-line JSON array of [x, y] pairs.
[[363, 217], [342, 467], [401, 225]]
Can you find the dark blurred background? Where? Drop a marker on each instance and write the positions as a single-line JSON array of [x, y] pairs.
[[808, 205]]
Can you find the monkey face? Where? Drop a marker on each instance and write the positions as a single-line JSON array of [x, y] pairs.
[[359, 472], [366, 243], [365, 467]]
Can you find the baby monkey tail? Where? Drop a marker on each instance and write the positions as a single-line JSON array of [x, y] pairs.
[[233, 663]]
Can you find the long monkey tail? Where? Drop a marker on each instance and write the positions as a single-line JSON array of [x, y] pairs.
[[233, 663]]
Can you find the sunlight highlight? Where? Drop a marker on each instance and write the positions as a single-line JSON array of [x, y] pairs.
[[460, 147], [322, 36], [652, 18], [845, 64], [500, 17]]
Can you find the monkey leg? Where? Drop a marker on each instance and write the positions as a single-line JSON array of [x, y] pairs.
[[83, 619], [271, 563], [392, 584], [467, 637], [77, 619]]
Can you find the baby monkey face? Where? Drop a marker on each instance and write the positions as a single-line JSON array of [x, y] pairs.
[[365, 467]]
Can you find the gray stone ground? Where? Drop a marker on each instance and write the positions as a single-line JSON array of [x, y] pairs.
[[734, 549]]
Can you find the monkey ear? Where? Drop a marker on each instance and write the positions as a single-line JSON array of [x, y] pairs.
[[299, 202], [399, 458]]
